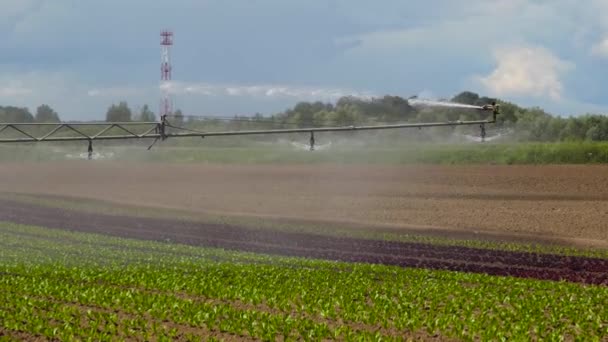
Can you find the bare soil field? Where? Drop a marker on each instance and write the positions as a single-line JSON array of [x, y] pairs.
[[569, 202]]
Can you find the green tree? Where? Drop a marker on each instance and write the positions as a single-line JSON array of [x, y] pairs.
[[45, 113], [342, 117], [594, 134], [178, 118], [554, 128], [304, 114], [530, 124], [387, 108], [15, 114], [574, 130], [509, 112], [120, 113], [146, 114], [484, 100], [466, 97], [320, 117], [394, 108]]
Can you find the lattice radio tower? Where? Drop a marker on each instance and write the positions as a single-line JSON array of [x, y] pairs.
[[166, 42]]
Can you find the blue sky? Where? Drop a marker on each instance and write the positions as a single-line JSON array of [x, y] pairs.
[[247, 56]]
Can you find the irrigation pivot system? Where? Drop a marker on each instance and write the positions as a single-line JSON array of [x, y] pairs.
[[163, 129]]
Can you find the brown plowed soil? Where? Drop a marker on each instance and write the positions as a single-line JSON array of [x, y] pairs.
[[569, 202]]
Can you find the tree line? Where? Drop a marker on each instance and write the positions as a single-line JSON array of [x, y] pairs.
[[530, 124], [44, 114], [121, 112]]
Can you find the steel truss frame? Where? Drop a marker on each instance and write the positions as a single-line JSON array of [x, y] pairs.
[[159, 130]]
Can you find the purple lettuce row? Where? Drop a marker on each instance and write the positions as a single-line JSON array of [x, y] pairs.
[[430, 251], [479, 255], [405, 254], [419, 262]]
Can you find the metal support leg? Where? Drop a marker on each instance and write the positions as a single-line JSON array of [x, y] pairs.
[[153, 143], [160, 130], [312, 141], [163, 124], [90, 150], [483, 132], [496, 111]]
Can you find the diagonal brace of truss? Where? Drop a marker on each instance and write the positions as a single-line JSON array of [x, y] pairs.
[[152, 129]]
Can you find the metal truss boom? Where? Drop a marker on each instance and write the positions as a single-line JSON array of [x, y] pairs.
[[80, 135], [164, 129], [157, 130], [333, 129]]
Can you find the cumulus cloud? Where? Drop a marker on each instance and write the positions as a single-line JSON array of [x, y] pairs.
[[527, 71]]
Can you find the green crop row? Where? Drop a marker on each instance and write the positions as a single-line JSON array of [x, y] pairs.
[[88, 286]]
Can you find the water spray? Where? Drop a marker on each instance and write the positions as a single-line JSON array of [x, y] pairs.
[[431, 103]]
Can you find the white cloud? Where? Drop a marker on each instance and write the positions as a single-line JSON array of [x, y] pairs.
[[600, 49], [14, 89], [78, 99], [20, 87], [117, 92], [12, 8], [263, 91], [526, 70], [399, 48]]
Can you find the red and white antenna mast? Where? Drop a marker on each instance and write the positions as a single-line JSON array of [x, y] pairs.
[[166, 42]]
